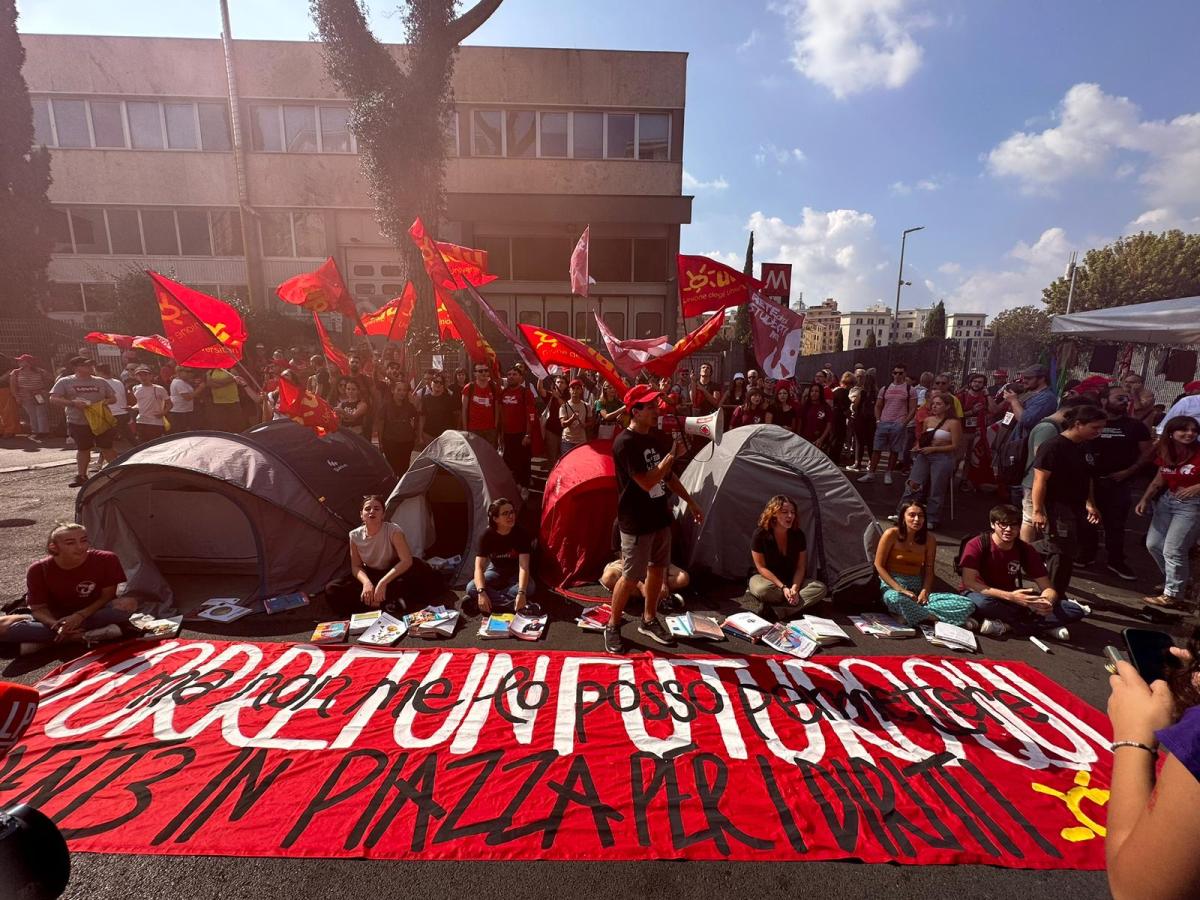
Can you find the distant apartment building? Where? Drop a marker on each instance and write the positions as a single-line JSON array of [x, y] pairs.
[[910, 324], [543, 142], [972, 335], [855, 326], [822, 325]]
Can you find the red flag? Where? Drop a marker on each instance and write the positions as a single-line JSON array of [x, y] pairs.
[[466, 264], [518, 343], [446, 329], [686, 346], [205, 333], [306, 408], [332, 353], [554, 348], [477, 346], [579, 264], [778, 335], [154, 343], [124, 341], [319, 291], [631, 355], [391, 320], [706, 285], [439, 274]]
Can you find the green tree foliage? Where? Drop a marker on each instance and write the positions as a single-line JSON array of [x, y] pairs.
[[935, 321], [840, 342], [25, 213], [136, 309], [741, 322], [1135, 269], [1022, 333], [871, 341]]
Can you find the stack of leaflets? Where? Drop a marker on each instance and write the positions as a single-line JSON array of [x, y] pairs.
[[360, 622], [787, 639], [329, 633], [746, 625], [445, 565], [223, 609], [495, 626], [690, 625], [527, 627], [881, 625], [284, 602], [156, 629], [595, 618], [383, 632], [953, 637], [818, 630], [432, 621]]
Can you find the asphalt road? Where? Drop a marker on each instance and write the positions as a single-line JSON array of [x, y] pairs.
[[33, 500]]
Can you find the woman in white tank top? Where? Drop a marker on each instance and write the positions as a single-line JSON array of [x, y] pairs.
[[934, 458]]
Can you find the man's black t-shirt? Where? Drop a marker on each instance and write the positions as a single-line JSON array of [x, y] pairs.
[[1070, 470], [440, 413], [639, 511], [1117, 446], [504, 549], [782, 565]]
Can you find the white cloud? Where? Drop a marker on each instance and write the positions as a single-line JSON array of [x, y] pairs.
[[1033, 267], [691, 183], [781, 156], [851, 46], [903, 189], [751, 39], [1092, 129], [1163, 218], [949, 268], [730, 259]]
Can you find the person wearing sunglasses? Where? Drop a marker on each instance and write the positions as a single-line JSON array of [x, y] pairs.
[[502, 576], [439, 410], [481, 406]]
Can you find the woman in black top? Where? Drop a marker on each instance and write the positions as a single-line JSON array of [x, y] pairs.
[[778, 550], [841, 416], [783, 413], [862, 417], [439, 410], [733, 398], [399, 426], [351, 408], [502, 563]]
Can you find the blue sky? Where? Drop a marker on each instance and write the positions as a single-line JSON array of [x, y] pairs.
[[1014, 131]]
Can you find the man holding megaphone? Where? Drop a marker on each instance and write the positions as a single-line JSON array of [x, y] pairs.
[[643, 457]]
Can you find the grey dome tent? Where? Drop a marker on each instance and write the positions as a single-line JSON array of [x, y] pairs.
[[275, 501], [733, 482], [441, 501]]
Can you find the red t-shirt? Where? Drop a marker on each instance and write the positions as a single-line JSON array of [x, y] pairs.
[[481, 407], [1003, 566], [812, 420], [66, 591], [517, 412], [1186, 474]]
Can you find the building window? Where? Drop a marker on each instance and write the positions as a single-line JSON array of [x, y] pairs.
[[194, 239], [486, 132], [276, 231], [335, 129], [300, 129], [310, 234], [558, 320], [183, 133], [292, 234], [265, 132], [552, 134], [158, 228], [145, 125], [654, 136], [611, 259], [43, 134], [649, 259], [88, 227], [648, 324], [520, 134], [452, 134], [60, 231], [124, 231], [226, 232], [588, 139], [214, 126], [65, 297], [620, 136], [100, 297], [108, 128], [540, 258], [70, 119], [497, 250]]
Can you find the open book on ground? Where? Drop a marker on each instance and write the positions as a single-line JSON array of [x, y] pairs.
[[527, 627], [881, 625], [330, 632], [360, 622], [746, 625], [953, 637], [692, 625], [384, 631], [432, 621], [789, 639], [595, 618], [819, 630]]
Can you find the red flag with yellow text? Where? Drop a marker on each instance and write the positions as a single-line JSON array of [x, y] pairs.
[[466, 264], [435, 265], [706, 285], [154, 343], [319, 291], [446, 329], [332, 353], [553, 348], [205, 333], [307, 408], [392, 319], [686, 346], [124, 341], [478, 349]]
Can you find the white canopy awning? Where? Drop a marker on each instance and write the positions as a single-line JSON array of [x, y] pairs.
[[1160, 322]]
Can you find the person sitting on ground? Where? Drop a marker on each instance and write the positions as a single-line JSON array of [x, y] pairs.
[[72, 594], [76, 393], [992, 567], [780, 585], [383, 572], [1153, 811], [669, 597], [904, 561], [1175, 527], [502, 576]]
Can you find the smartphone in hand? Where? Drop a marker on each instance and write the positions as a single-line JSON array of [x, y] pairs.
[[1150, 652]]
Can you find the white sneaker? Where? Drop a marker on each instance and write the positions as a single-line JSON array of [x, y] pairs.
[[1060, 634], [972, 624], [887, 477], [866, 477], [1087, 610], [104, 633], [993, 628]]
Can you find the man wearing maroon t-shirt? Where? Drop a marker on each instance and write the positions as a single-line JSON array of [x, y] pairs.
[[481, 406], [71, 593], [518, 418]]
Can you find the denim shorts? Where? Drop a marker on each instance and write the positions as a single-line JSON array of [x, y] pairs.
[[890, 436]]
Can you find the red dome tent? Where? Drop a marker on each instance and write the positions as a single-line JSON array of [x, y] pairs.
[[578, 509]]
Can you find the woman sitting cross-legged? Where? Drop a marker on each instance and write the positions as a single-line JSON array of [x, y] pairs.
[[780, 557], [383, 572], [502, 563], [904, 561]]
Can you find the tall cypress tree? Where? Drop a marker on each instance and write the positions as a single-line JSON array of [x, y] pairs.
[[741, 325], [25, 214]]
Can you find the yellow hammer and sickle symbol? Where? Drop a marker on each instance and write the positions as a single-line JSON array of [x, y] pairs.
[[167, 308], [544, 338], [1073, 798]]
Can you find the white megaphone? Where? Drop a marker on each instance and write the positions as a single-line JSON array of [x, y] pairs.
[[704, 426]]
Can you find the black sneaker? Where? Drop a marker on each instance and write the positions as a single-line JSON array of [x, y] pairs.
[[654, 630], [1085, 563], [612, 641], [1122, 571], [78, 482]]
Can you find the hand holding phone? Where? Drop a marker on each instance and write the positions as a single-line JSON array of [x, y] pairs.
[[1150, 652]]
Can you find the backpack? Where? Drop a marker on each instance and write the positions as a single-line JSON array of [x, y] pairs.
[[985, 539]]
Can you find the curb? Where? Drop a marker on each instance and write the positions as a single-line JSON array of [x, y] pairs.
[[33, 468]]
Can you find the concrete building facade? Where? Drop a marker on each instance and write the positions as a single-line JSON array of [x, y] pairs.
[[822, 325], [544, 142], [855, 326], [974, 337]]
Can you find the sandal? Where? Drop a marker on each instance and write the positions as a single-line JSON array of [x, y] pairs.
[[1163, 601]]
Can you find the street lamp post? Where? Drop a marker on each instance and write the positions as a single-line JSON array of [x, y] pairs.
[[900, 282]]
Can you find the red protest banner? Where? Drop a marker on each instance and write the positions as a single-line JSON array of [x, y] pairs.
[[319, 291], [631, 355], [205, 333], [468, 265], [154, 343], [706, 285], [579, 264], [392, 319], [331, 350], [778, 335], [686, 346], [241, 749], [124, 341], [554, 349], [307, 408], [439, 273], [477, 347]]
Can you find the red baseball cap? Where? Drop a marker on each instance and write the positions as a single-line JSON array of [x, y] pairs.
[[1191, 387], [640, 394], [1092, 383]]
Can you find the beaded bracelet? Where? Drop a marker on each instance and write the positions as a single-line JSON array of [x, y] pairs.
[[1138, 744]]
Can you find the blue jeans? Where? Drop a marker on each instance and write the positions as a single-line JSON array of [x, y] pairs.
[[1173, 530], [501, 589], [38, 415], [928, 481], [34, 632], [890, 436], [1023, 620]]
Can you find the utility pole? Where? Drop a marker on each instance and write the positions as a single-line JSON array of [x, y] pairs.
[[900, 281], [1070, 273]]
